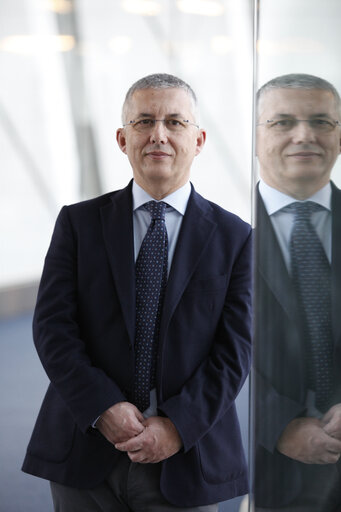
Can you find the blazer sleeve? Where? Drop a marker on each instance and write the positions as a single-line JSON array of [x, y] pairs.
[[207, 396], [86, 390]]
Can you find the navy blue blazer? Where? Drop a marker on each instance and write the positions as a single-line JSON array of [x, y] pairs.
[[84, 334]]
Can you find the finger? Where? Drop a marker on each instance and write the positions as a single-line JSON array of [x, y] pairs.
[[133, 418], [330, 430], [333, 426], [136, 418], [139, 416], [132, 445], [332, 418], [122, 447], [134, 430], [143, 459], [130, 430], [330, 458], [335, 434], [332, 445], [139, 457], [334, 456]]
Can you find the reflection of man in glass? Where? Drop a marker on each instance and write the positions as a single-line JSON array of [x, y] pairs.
[[298, 292]]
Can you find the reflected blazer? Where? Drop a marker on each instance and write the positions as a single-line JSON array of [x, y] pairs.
[[279, 359], [84, 333]]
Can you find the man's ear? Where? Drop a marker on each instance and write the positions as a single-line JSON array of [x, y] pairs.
[[121, 139], [201, 138]]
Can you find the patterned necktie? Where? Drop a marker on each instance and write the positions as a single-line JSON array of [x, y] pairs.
[[151, 279], [312, 280]]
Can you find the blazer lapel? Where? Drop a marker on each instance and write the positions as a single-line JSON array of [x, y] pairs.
[[194, 236], [270, 262], [117, 224]]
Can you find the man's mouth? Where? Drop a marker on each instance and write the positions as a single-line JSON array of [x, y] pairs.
[[157, 155], [304, 154]]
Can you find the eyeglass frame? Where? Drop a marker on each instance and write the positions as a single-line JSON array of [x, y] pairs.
[[268, 121], [133, 122]]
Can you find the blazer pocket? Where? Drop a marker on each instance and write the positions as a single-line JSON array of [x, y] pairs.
[[54, 431], [221, 453], [208, 284]]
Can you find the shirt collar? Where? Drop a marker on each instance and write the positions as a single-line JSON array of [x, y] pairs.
[[178, 199], [275, 200]]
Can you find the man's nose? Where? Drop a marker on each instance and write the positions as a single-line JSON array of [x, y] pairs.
[[159, 133], [303, 132]]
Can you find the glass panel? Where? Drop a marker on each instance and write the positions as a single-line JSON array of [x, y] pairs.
[[296, 399]]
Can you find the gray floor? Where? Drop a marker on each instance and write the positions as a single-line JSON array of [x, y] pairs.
[[22, 386]]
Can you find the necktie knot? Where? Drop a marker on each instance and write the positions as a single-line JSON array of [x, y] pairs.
[[303, 210], [156, 209]]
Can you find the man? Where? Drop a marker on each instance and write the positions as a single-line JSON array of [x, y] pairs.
[[298, 290], [143, 326]]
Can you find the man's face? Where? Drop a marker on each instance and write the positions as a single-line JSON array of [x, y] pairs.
[[161, 158], [301, 158]]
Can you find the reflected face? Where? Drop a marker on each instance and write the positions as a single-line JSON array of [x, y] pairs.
[[161, 157], [301, 157]]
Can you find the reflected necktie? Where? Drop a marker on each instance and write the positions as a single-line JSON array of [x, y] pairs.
[[312, 280], [151, 279]]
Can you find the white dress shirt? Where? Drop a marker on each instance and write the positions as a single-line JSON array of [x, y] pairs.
[[283, 222], [177, 202]]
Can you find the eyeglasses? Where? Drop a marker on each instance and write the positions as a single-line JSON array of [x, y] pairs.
[[317, 124], [172, 124]]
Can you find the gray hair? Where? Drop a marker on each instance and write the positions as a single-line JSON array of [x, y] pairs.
[[159, 81], [299, 81]]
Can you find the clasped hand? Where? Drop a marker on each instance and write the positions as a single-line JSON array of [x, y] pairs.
[[313, 440], [148, 440]]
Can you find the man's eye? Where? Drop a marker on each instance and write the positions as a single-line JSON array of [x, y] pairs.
[[173, 123], [145, 122], [283, 123], [321, 123]]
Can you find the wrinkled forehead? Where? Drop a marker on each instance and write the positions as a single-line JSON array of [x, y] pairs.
[[160, 102], [297, 102]]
